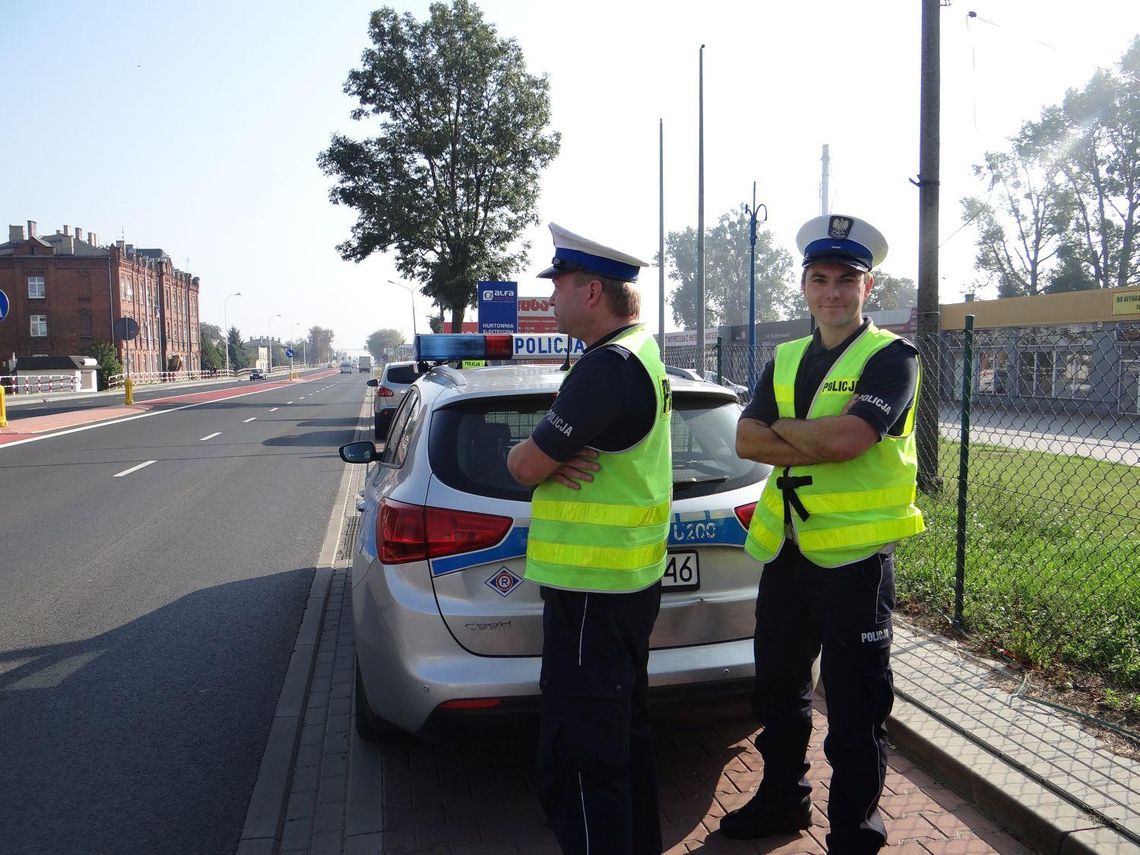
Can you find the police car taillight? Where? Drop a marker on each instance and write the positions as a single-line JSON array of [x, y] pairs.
[[744, 513], [407, 532]]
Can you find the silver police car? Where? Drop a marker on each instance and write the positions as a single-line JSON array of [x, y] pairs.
[[446, 627]]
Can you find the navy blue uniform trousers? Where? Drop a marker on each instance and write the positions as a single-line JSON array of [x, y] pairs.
[[801, 609], [597, 778]]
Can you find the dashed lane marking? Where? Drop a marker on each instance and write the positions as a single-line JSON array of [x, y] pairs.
[[134, 469], [210, 436], [250, 419]]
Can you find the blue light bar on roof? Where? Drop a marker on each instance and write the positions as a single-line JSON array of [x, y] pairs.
[[455, 346]]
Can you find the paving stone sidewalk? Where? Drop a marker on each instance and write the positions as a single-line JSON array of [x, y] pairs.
[[477, 798]]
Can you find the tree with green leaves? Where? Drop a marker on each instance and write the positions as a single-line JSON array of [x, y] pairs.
[[213, 348], [104, 353], [239, 357], [382, 343], [727, 267], [1063, 202], [451, 178], [891, 292]]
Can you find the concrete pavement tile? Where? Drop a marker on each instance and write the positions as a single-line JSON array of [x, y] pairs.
[[301, 804], [914, 827], [908, 847], [257, 846], [333, 789], [1101, 841], [910, 803], [1006, 844]]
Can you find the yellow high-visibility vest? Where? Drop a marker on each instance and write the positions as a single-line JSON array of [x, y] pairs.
[[855, 508], [610, 535]]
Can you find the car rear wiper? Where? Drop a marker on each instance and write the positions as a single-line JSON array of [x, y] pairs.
[[691, 481]]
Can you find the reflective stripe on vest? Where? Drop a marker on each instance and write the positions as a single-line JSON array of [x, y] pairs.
[[610, 535], [853, 508]]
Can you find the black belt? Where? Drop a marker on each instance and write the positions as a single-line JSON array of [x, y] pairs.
[[787, 485]]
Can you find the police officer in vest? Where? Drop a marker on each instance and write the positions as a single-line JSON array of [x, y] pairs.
[[834, 414], [602, 464]]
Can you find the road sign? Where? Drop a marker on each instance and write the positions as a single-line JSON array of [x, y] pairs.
[[288, 353], [4, 304], [126, 329]]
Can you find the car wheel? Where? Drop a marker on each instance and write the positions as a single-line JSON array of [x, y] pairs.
[[369, 725], [381, 429]]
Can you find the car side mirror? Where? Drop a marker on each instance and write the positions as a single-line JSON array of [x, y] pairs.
[[373, 382], [359, 452]]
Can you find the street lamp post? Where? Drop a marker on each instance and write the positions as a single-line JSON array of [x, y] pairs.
[[752, 287], [271, 317], [412, 294], [226, 324]]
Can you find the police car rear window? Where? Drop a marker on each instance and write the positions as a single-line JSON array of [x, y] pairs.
[[470, 440], [401, 374]]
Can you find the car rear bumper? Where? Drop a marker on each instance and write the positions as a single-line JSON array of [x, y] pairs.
[[414, 669]]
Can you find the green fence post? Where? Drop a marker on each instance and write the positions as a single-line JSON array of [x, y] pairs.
[[963, 469]]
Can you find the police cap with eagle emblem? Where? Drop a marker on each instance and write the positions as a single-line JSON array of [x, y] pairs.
[[843, 239], [574, 252]]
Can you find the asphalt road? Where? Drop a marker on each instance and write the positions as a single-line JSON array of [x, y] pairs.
[[147, 614]]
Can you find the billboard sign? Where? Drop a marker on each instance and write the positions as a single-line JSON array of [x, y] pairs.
[[498, 307]]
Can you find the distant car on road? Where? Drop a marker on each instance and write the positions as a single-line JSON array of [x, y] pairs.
[[258, 374], [391, 385], [447, 631], [347, 368]]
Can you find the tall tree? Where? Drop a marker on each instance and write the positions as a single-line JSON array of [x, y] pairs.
[[320, 344], [1097, 131], [239, 357], [451, 179], [891, 292], [213, 348], [1063, 203], [382, 342], [727, 267]]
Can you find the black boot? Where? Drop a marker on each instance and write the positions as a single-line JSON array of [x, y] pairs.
[[762, 818]]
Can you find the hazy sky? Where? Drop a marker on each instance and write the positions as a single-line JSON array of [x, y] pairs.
[[195, 127]]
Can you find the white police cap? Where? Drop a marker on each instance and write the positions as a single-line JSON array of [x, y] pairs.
[[842, 238], [574, 252]]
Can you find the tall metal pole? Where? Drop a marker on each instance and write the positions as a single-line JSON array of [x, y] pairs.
[[700, 366], [661, 237], [226, 324], [271, 341], [824, 200], [752, 212], [926, 419]]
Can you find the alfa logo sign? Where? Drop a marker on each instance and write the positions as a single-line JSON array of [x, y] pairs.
[[4, 305], [498, 307]]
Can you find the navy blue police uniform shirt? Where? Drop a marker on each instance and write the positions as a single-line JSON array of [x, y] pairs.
[[607, 403], [884, 391]]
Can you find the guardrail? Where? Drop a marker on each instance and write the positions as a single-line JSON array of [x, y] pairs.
[[153, 378], [33, 384]]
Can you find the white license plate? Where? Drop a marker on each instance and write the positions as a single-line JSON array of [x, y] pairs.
[[682, 572]]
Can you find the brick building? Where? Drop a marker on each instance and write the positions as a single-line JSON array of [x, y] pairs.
[[66, 291]]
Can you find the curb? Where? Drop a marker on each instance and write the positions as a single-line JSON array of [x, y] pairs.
[[265, 815], [1028, 810]]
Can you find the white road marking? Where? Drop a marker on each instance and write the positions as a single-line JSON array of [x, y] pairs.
[[210, 436], [275, 409], [134, 469], [250, 419]]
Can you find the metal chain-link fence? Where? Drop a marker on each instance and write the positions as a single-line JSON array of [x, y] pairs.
[[1033, 519]]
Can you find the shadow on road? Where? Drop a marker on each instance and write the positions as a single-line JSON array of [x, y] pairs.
[[146, 738]]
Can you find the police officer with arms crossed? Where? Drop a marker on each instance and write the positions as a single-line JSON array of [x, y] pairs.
[[602, 464], [834, 413]]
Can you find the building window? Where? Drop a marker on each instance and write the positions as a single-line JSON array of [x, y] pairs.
[[36, 288], [992, 372], [85, 330], [39, 326]]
